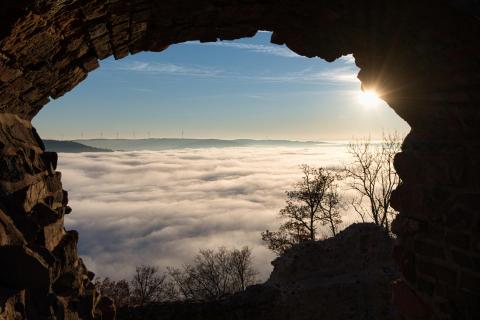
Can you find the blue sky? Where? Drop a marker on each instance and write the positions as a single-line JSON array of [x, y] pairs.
[[242, 89]]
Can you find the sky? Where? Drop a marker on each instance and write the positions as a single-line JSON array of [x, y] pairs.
[[247, 88], [161, 207]]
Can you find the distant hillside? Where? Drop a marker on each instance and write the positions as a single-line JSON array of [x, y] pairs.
[[70, 147], [165, 144]]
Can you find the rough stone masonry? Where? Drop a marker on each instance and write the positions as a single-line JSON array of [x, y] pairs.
[[422, 55]]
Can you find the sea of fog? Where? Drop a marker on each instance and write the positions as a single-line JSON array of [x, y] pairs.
[[161, 207]]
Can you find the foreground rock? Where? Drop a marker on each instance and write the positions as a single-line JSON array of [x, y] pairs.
[[346, 277], [41, 274]]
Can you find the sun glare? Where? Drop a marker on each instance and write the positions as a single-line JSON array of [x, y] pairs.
[[369, 98]]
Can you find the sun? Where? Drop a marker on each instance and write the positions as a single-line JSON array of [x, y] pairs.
[[369, 98]]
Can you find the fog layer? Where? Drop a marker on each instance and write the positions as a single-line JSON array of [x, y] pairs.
[[160, 207]]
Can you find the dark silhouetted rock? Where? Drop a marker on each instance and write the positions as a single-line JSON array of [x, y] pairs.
[[22, 268], [345, 277]]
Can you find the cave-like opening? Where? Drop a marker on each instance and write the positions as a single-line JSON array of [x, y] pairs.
[[421, 56]]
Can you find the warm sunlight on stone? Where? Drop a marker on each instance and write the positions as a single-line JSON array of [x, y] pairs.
[[370, 99]]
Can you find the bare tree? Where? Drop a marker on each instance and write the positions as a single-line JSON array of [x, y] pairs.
[[289, 234], [372, 175], [243, 273], [214, 274], [119, 291], [184, 283], [314, 200], [331, 210], [147, 285]]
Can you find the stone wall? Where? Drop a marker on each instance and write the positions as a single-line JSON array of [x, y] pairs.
[[422, 56], [41, 275]]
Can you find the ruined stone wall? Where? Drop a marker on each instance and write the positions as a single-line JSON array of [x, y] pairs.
[[41, 275], [422, 56]]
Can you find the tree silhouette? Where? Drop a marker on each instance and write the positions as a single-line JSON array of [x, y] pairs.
[[331, 210], [372, 175], [214, 274], [118, 291], [148, 286], [313, 200]]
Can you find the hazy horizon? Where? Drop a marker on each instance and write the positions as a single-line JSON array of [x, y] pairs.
[[353, 138]]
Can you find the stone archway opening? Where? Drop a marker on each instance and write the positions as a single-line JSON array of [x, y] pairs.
[[422, 56], [97, 198]]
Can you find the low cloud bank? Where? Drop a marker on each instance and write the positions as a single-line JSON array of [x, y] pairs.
[[160, 207]]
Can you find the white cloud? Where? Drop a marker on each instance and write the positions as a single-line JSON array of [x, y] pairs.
[[333, 75], [275, 50], [343, 74], [280, 51], [161, 207], [166, 69]]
